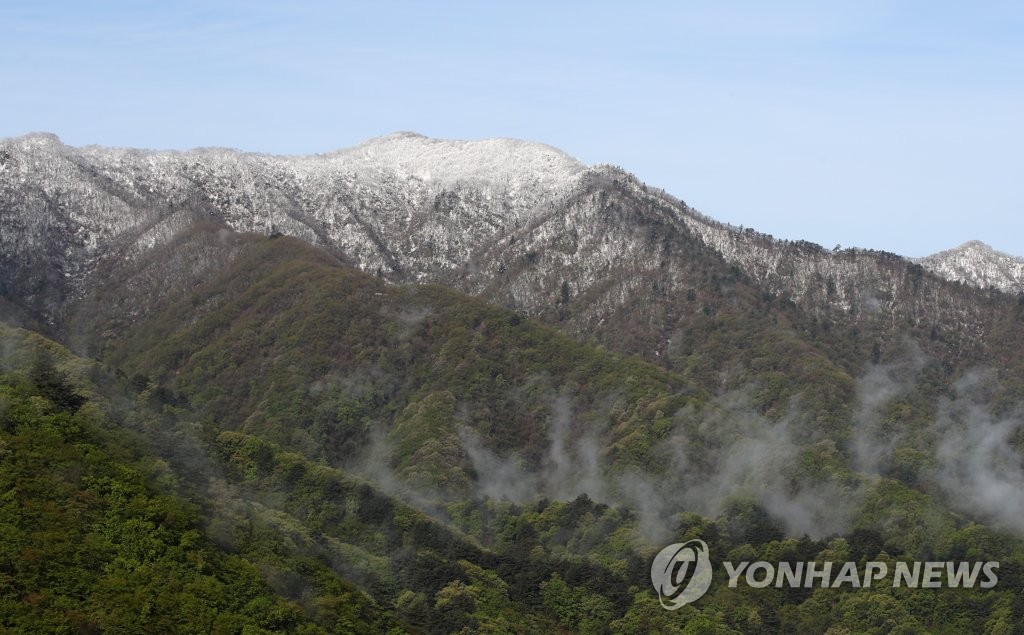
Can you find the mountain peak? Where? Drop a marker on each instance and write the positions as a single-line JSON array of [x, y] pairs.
[[974, 246], [37, 139], [401, 134], [978, 264], [448, 160]]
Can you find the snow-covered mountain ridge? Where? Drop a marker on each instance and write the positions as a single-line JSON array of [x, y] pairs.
[[516, 223]]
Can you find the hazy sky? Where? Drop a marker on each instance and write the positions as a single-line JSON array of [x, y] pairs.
[[891, 125]]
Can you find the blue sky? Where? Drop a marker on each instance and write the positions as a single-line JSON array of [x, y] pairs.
[[890, 125]]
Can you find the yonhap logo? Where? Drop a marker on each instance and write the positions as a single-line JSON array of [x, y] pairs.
[[681, 573]]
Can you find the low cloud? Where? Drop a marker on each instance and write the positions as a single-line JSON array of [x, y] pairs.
[[728, 450], [871, 441], [978, 464], [724, 450], [570, 467]]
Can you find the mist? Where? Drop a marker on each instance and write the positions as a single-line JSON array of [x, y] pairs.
[[728, 451], [872, 441], [978, 461], [724, 451], [810, 481], [569, 468]]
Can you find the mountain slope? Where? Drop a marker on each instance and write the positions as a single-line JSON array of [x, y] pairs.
[[127, 511], [101, 535], [285, 339], [108, 541]]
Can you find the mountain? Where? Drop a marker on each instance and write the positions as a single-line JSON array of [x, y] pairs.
[[977, 264], [516, 223], [484, 384]]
